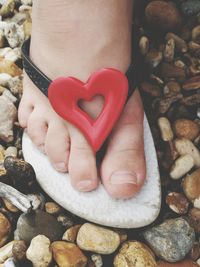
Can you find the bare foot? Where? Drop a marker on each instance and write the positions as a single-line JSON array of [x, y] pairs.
[[72, 38]]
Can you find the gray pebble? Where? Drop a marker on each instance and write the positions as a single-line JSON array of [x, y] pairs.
[[171, 240], [35, 223], [191, 7]]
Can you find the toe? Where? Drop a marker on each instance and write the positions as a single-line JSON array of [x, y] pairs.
[[82, 163], [123, 169], [57, 145], [37, 128], [24, 111]]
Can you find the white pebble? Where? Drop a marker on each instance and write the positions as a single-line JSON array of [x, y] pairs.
[[181, 166]]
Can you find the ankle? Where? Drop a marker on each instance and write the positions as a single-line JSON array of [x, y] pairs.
[[76, 44]]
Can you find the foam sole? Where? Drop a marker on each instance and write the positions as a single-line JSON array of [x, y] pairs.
[[98, 206]]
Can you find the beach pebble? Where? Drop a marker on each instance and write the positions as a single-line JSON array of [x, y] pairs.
[[9, 67], [68, 254], [7, 8], [39, 252], [194, 216], [181, 166], [97, 239], [190, 7], [11, 151], [169, 70], [19, 250], [191, 187], [134, 254], [5, 229], [10, 54], [195, 251], [165, 129], [9, 206], [164, 242], [14, 34], [185, 146], [22, 173], [6, 251], [97, 259], [71, 233], [35, 223], [163, 15], [66, 220], [52, 208], [177, 202], [186, 128], [8, 113], [185, 263]]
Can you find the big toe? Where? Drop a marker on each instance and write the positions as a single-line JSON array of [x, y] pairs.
[[123, 169], [82, 163]]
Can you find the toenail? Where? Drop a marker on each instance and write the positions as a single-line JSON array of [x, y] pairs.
[[84, 185], [123, 177], [60, 166]]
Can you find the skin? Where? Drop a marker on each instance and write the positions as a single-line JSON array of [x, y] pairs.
[[77, 38]]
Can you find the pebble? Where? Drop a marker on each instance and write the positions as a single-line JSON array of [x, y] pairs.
[[14, 34], [22, 173], [165, 129], [65, 220], [190, 7], [185, 146], [52, 208], [8, 113], [194, 216], [5, 229], [164, 242], [97, 259], [19, 250], [6, 251], [35, 223], [185, 263], [68, 254], [191, 187], [163, 15], [195, 251], [9, 206], [71, 233], [181, 166], [186, 128], [134, 254], [7, 8], [97, 239], [39, 252], [177, 202]]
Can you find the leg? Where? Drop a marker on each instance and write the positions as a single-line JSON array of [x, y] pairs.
[[77, 38]]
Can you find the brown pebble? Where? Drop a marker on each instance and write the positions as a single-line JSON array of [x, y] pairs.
[[163, 16], [5, 229], [9, 67], [149, 88], [52, 208], [170, 71], [19, 250], [9, 206], [71, 233], [195, 251], [186, 128], [172, 88], [185, 263], [192, 84], [194, 216], [177, 202]]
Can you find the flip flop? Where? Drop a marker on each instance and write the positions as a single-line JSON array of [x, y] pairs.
[[96, 206]]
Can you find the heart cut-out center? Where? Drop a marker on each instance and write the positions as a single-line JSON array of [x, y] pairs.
[[93, 107]]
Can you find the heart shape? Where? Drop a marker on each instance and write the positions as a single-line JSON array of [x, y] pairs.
[[65, 92]]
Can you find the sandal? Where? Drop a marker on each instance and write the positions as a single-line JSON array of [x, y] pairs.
[[96, 206]]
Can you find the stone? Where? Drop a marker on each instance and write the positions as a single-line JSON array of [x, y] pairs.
[[97, 239], [10, 54], [169, 70], [134, 254], [35, 223], [71, 233], [6, 251], [185, 263], [164, 242], [14, 34], [5, 229], [186, 128], [194, 216], [191, 187], [7, 8], [195, 251], [191, 7], [163, 16], [9, 67], [109, 212], [19, 250], [8, 116], [52, 208], [165, 129], [177, 202], [97, 259], [39, 252], [68, 254], [181, 166]]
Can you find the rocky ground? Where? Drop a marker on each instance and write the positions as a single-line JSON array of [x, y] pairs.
[[168, 68]]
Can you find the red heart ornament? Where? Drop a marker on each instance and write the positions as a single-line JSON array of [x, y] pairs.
[[64, 94]]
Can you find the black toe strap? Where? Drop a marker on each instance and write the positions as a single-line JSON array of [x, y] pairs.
[[43, 82]]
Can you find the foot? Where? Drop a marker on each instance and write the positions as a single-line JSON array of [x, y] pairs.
[[84, 38]]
